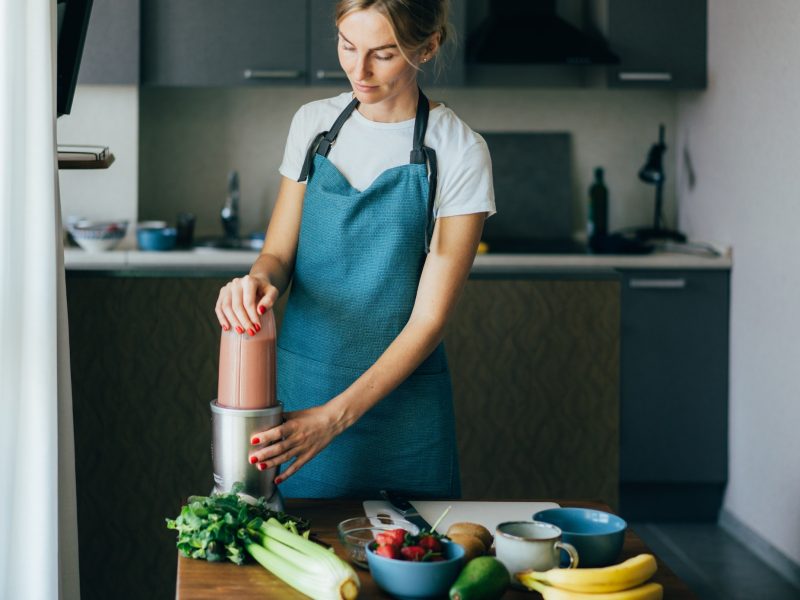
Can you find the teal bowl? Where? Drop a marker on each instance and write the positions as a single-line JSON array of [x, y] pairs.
[[156, 238], [597, 536], [408, 580]]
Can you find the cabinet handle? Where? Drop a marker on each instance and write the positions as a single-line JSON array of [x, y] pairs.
[[272, 73], [645, 76], [323, 74], [657, 284]]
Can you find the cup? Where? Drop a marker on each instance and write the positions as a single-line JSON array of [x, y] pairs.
[[531, 545], [185, 228]]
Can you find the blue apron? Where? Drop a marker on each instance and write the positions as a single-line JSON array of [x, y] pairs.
[[359, 259]]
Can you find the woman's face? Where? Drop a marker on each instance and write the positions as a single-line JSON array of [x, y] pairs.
[[370, 57]]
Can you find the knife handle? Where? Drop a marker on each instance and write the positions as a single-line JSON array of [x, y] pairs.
[[398, 501]]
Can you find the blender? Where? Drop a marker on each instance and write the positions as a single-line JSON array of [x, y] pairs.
[[245, 405]]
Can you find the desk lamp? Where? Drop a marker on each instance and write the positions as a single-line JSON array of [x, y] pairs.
[[653, 173]]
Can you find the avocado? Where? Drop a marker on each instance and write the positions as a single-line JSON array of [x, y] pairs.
[[484, 578]]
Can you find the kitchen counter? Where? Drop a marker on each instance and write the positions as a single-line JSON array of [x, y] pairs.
[[209, 261], [199, 579]]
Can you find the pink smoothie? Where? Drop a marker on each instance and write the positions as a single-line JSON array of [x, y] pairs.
[[247, 367]]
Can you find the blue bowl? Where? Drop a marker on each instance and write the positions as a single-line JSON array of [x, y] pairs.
[[156, 238], [597, 536], [417, 580]]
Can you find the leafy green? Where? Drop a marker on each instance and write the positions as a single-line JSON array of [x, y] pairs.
[[220, 527]]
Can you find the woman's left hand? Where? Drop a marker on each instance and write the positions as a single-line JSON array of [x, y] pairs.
[[302, 436]]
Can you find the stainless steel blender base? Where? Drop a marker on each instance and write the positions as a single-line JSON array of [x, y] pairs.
[[232, 430]]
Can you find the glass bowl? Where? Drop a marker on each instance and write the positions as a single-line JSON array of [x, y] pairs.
[[357, 532]]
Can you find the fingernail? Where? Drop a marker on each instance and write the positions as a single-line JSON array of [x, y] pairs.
[[258, 327], [262, 310], [253, 460], [250, 332], [239, 329], [278, 480], [262, 467], [225, 328], [255, 440]]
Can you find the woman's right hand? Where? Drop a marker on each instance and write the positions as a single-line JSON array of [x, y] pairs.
[[242, 300]]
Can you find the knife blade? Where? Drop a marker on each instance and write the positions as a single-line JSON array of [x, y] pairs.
[[406, 509]]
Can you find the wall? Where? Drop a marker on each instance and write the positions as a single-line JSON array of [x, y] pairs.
[[738, 184], [103, 116], [191, 138]]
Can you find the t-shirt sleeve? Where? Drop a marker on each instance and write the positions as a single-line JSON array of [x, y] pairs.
[[294, 154], [468, 187]]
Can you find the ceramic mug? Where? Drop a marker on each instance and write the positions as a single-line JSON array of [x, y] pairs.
[[531, 545]]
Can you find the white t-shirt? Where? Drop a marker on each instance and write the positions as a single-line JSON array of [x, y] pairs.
[[364, 149]]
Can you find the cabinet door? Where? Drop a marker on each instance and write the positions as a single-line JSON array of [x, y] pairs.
[[661, 43], [324, 59], [325, 68], [235, 42], [535, 371], [674, 376], [111, 49]]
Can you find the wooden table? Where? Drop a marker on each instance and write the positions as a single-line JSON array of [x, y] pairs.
[[201, 580]]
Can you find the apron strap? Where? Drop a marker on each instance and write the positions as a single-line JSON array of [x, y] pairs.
[[324, 141], [421, 154]]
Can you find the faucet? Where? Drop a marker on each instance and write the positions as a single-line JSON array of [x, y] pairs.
[[230, 210]]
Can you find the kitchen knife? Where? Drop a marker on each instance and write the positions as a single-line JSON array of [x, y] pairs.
[[405, 508]]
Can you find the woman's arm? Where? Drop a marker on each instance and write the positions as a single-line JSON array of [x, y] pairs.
[[243, 299], [305, 433]]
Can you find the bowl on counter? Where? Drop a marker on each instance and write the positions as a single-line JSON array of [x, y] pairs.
[[155, 236], [417, 580], [357, 532], [97, 236], [597, 535]]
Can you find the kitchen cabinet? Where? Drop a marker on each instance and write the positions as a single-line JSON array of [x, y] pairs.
[[661, 43], [211, 43], [674, 393], [111, 49], [323, 55], [535, 370]]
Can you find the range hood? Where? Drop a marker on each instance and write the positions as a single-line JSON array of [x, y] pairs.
[[533, 32]]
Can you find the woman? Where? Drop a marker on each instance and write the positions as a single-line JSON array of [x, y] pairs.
[[378, 245]]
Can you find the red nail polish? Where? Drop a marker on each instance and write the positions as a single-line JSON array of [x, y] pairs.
[[258, 327], [278, 480], [253, 460], [250, 332], [262, 467], [225, 328], [262, 310], [239, 329], [255, 440]]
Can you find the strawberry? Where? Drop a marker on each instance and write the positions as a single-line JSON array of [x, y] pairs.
[[387, 539], [388, 551], [431, 543], [399, 536], [413, 553]]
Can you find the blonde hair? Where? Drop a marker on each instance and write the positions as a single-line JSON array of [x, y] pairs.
[[413, 22]]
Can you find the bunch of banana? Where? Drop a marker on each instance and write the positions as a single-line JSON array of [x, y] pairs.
[[617, 582]]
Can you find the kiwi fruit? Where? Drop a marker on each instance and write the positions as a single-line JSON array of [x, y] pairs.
[[474, 529], [473, 546]]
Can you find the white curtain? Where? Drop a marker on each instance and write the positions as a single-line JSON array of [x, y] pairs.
[[38, 519]]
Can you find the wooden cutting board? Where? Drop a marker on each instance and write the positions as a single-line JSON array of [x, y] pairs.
[[487, 513]]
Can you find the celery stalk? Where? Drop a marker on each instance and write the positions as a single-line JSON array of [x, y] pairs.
[[303, 564]]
